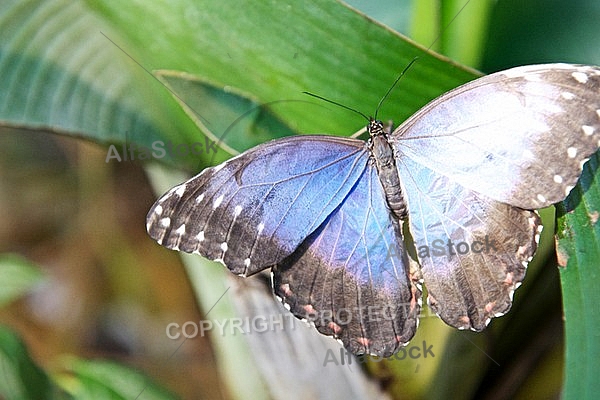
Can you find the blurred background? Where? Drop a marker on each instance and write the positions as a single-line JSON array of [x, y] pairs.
[[83, 281]]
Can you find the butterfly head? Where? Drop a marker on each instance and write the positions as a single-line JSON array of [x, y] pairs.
[[378, 128]]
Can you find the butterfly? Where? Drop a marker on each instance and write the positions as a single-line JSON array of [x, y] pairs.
[[329, 215]]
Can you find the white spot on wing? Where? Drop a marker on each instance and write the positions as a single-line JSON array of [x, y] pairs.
[[568, 190], [260, 228], [558, 179], [532, 70], [532, 221], [220, 167], [588, 130], [200, 236], [572, 152], [158, 210], [219, 260], [567, 95], [541, 198], [224, 247], [528, 155], [218, 201], [247, 262], [180, 190], [237, 210], [200, 198], [181, 230], [580, 77], [513, 73], [533, 78], [165, 222]]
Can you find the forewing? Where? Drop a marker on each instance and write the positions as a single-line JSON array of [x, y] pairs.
[[473, 250], [255, 209], [519, 136], [352, 277]]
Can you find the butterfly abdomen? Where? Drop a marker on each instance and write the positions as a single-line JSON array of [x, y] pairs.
[[383, 156]]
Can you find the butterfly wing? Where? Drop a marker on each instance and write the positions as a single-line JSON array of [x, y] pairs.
[[518, 136], [473, 250], [352, 277], [255, 209]]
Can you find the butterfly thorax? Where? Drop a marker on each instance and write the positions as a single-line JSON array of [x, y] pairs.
[[383, 155]]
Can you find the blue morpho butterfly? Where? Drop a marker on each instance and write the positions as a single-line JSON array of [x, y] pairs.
[[327, 214]]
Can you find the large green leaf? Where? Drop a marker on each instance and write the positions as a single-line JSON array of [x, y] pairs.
[[278, 49], [62, 71], [578, 246], [59, 73], [243, 121]]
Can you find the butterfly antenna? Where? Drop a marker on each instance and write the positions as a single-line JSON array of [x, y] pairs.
[[448, 25], [416, 58], [337, 104], [394, 85], [221, 139]]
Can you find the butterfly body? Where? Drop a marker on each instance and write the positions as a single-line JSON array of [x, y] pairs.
[[384, 158], [327, 213]]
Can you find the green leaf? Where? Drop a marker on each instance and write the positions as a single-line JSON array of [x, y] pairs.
[[578, 247], [243, 121], [455, 28], [295, 50], [17, 275], [63, 72], [20, 377], [98, 379], [60, 73]]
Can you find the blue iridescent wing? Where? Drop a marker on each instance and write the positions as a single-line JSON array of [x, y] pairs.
[[473, 161], [473, 250], [254, 210], [518, 136], [352, 277]]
